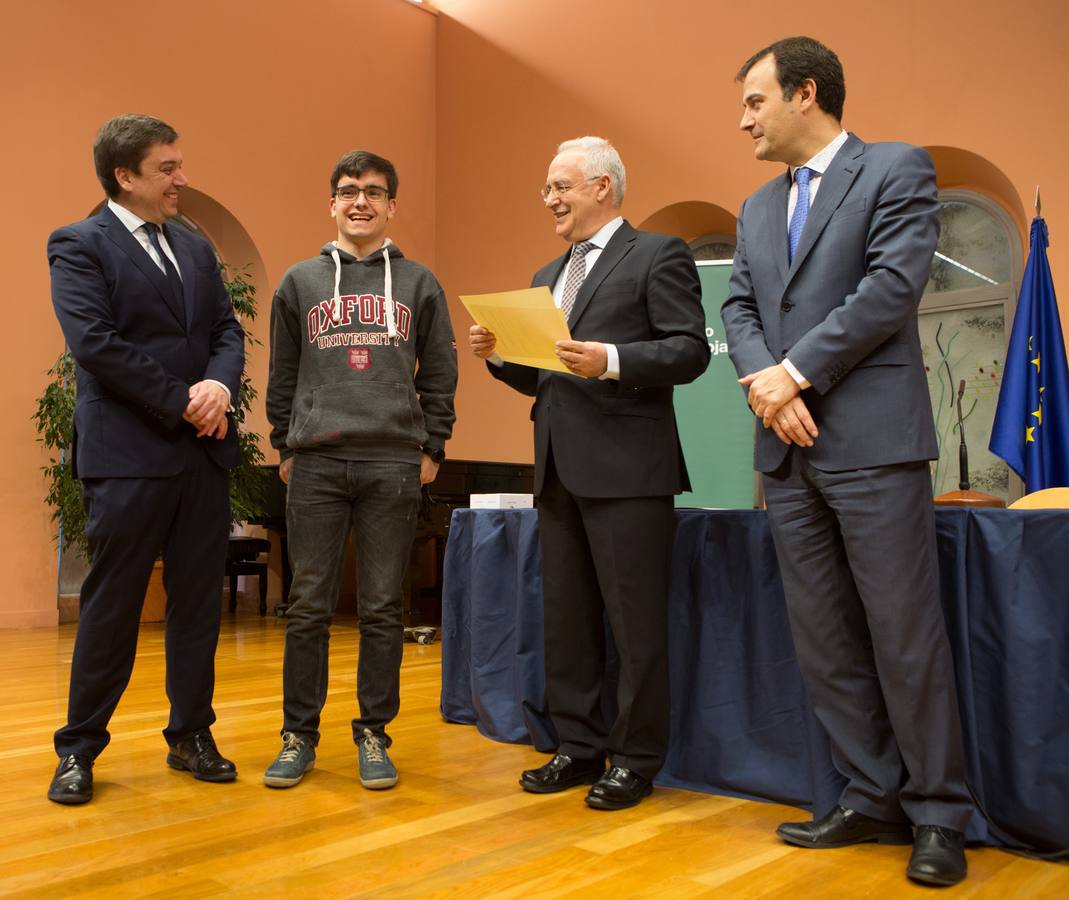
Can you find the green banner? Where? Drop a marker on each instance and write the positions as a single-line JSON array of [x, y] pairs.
[[715, 424]]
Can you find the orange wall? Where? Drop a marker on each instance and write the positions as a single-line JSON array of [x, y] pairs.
[[470, 105], [657, 79], [266, 96]]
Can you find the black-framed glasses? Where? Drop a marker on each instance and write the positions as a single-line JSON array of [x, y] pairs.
[[560, 188], [373, 193]]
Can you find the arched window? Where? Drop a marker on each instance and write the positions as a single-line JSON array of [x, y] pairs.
[[965, 318], [713, 246]]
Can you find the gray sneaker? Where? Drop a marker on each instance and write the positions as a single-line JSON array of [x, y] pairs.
[[376, 771], [295, 758]]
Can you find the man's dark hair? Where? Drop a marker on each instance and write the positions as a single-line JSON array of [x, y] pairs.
[[356, 162], [799, 58], [123, 142]]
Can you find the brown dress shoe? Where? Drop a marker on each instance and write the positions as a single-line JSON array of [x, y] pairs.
[[198, 754], [843, 827], [73, 781]]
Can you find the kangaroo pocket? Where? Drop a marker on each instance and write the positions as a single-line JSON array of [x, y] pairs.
[[367, 412]]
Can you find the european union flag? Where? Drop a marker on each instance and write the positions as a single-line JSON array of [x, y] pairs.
[[1031, 430]]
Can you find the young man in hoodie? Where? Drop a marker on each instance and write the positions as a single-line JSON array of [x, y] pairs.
[[360, 400]]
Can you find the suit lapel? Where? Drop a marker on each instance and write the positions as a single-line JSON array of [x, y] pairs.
[[834, 184], [619, 246], [548, 276], [776, 223], [186, 270], [121, 237]]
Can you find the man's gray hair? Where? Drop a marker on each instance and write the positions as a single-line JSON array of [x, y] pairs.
[[599, 158]]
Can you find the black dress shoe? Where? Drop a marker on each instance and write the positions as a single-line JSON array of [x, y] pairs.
[[73, 781], [938, 856], [561, 773], [198, 754], [618, 788], [841, 828]]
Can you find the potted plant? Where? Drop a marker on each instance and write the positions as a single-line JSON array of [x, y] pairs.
[[54, 420]]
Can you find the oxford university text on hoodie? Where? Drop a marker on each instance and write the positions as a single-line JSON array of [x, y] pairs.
[[363, 358]]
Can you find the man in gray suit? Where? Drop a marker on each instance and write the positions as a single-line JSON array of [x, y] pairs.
[[831, 261]]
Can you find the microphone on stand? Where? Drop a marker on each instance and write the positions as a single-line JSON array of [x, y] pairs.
[[965, 496], [963, 450]]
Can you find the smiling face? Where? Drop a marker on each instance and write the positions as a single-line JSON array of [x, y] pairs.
[[584, 206], [152, 192], [362, 222]]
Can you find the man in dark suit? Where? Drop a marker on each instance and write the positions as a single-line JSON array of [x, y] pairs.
[[159, 356], [821, 318], [607, 462]]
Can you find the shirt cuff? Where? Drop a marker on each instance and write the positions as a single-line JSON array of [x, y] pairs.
[[612, 363], [229, 399], [802, 381]]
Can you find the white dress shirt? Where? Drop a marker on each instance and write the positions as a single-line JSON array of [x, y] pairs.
[[818, 165], [136, 224]]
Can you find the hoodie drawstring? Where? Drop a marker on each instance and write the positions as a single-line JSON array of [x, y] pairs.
[[391, 307], [391, 312], [335, 309]]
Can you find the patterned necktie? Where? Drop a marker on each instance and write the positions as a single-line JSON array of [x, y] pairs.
[[576, 274], [801, 211], [173, 278]]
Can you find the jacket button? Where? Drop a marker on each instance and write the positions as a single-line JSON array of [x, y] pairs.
[[786, 305], [783, 355]]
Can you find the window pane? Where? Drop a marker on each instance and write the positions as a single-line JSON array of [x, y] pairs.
[[713, 246], [973, 342], [973, 249]]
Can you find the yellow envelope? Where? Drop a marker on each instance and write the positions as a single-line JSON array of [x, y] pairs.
[[526, 324]]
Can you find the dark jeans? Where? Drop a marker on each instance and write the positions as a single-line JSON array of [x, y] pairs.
[[327, 497]]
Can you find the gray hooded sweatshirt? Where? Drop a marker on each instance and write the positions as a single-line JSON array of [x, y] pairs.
[[363, 358]]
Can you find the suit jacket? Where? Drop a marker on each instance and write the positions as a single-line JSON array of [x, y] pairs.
[[618, 438], [845, 310], [137, 350]]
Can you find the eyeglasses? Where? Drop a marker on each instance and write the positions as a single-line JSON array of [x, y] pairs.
[[373, 193], [560, 188]]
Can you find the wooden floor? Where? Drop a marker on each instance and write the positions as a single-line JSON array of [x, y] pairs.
[[457, 824]]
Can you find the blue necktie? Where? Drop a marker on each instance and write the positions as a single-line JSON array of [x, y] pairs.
[[801, 211], [173, 278]]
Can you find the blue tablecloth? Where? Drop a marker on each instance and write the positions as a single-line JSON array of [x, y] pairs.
[[740, 721]]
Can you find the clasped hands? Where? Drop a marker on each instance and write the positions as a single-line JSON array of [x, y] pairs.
[[206, 412], [774, 396], [588, 359]]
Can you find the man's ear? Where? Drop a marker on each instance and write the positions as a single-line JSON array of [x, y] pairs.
[[807, 94], [604, 188], [124, 176]]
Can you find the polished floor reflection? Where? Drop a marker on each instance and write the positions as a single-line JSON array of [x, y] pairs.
[[457, 824]]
